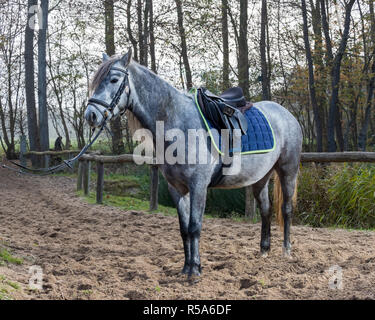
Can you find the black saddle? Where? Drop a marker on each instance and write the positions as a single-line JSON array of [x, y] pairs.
[[234, 97], [220, 113]]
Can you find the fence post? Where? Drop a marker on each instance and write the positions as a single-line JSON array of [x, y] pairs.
[[23, 150], [86, 177], [79, 175], [250, 204], [154, 188], [46, 159], [100, 182]]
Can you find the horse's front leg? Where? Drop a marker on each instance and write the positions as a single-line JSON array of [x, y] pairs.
[[198, 195], [182, 203]]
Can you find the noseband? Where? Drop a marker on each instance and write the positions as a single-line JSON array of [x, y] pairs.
[[110, 107]]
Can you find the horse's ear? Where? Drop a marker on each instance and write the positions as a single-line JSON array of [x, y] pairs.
[[126, 58], [105, 57]]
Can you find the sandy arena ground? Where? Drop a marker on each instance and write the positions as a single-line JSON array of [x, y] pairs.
[[98, 252]]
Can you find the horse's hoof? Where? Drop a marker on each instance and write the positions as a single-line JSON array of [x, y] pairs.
[[264, 252], [194, 277], [185, 269], [194, 274]]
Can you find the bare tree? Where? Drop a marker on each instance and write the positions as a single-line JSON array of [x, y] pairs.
[[184, 54], [309, 59], [225, 36], [130, 32], [334, 119], [56, 81], [266, 81], [152, 36], [117, 142], [243, 50], [362, 138], [42, 78], [32, 122]]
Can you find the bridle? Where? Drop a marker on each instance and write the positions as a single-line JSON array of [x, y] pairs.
[[109, 108]]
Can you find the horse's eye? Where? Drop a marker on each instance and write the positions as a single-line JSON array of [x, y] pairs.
[[114, 80]]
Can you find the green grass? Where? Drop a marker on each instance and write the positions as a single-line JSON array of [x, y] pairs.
[[127, 203], [4, 294], [6, 288], [6, 257], [14, 285], [87, 292]]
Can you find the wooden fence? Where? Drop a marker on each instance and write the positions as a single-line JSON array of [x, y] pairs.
[[84, 169], [83, 181]]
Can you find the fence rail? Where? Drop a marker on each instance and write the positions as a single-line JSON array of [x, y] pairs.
[[51, 153], [250, 206], [338, 157], [84, 168]]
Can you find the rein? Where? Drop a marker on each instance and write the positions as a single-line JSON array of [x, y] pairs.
[[69, 163]]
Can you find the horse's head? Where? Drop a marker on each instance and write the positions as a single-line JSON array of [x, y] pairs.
[[110, 90]]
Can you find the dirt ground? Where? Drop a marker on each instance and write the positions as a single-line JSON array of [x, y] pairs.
[[97, 252]]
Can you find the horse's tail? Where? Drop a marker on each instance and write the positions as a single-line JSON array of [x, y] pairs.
[[278, 199]]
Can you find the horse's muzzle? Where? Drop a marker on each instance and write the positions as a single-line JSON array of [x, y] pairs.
[[93, 117]]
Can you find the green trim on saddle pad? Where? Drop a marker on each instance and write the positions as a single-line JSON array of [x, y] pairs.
[[194, 91]]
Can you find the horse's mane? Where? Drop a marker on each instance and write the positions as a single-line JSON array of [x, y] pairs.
[[102, 72]]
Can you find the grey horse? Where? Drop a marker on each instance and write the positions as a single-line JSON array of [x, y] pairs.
[[151, 99]]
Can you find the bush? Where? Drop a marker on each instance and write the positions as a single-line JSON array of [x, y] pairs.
[[337, 195], [352, 196]]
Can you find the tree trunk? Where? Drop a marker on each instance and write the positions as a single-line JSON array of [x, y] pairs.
[[362, 138], [42, 79], [243, 59], [32, 122], [109, 27], [9, 147], [225, 35], [146, 32], [180, 18], [266, 94], [140, 32], [363, 133], [129, 30], [334, 118], [117, 143], [319, 72], [152, 37], [314, 104]]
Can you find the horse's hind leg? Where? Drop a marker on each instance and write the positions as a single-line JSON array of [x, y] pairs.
[[288, 179], [182, 203], [260, 190]]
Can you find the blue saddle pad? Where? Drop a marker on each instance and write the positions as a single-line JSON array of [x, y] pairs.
[[259, 137]]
